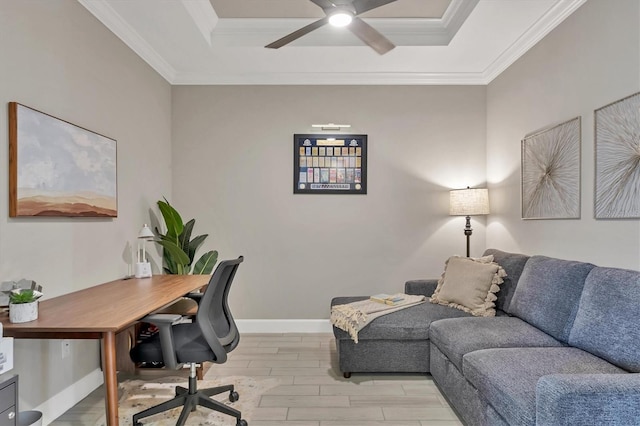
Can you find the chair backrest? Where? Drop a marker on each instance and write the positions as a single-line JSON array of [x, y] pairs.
[[214, 317]]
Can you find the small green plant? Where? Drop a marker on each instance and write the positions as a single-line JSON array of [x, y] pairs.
[[22, 296], [179, 249]]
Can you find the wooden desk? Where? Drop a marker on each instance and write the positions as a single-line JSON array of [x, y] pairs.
[[99, 313]]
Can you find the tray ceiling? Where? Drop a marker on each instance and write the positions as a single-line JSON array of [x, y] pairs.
[[306, 9], [222, 41]]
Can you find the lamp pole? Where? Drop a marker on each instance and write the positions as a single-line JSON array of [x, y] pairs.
[[468, 202], [468, 231]]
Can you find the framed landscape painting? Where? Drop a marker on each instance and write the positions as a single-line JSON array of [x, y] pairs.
[[59, 169]]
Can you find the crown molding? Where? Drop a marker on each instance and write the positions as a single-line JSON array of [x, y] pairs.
[[331, 78], [252, 32], [543, 26], [242, 32], [455, 15], [204, 16], [401, 31], [118, 26]]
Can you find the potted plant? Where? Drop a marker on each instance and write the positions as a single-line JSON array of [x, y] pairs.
[[23, 305], [179, 248]]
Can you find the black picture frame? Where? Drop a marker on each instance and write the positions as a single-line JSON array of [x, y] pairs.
[[314, 155]]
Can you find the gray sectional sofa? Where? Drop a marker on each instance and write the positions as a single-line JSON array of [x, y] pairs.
[[563, 348]]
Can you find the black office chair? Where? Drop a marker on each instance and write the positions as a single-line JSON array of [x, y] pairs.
[[209, 338]]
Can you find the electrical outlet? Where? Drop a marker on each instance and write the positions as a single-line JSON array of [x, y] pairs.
[[66, 348]]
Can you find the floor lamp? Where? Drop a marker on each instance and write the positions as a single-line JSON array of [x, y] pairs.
[[469, 202]]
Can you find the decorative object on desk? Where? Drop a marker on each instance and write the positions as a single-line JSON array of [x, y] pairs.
[[143, 267], [330, 164], [23, 305], [617, 141], [179, 248], [57, 168], [551, 172], [8, 286], [138, 395], [469, 202]]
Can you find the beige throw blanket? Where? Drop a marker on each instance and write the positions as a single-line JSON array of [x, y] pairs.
[[353, 317]]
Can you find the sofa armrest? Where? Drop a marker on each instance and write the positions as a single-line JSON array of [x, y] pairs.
[[421, 287], [343, 300], [580, 399]]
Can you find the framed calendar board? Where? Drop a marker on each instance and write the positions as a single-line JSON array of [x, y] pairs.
[[329, 164]]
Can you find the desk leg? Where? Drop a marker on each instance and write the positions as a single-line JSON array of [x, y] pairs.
[[110, 378]]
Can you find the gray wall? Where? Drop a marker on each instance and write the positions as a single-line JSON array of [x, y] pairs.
[[590, 60], [227, 153], [57, 58], [232, 162]]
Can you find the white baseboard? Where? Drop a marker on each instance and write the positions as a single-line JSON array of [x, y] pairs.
[[284, 326], [60, 403]]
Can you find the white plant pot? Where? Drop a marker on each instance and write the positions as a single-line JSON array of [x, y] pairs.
[[23, 312]]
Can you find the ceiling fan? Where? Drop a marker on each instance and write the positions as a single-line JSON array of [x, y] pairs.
[[344, 13]]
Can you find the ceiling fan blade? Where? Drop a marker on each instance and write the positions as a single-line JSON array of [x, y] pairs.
[[324, 4], [370, 35], [297, 34], [362, 6]]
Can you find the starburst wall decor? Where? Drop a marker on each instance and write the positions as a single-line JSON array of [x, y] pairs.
[[551, 172], [617, 146]]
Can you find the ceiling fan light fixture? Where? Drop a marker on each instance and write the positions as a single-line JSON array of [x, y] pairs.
[[343, 13], [340, 18]]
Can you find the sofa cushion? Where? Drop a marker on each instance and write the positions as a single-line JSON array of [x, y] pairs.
[[507, 378], [456, 337], [406, 324], [513, 264], [548, 294], [607, 320], [469, 285], [588, 399]]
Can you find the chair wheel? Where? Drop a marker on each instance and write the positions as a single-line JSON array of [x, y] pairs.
[[233, 397], [242, 422]]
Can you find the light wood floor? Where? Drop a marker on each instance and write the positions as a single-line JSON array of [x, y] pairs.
[[313, 391]]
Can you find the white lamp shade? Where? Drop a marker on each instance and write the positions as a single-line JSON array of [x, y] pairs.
[[146, 233], [469, 202]]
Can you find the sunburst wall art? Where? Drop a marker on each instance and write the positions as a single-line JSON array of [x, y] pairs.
[[551, 172], [617, 141]]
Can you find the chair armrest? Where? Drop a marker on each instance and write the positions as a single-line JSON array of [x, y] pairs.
[[580, 399], [195, 296], [421, 287], [164, 322], [161, 320]]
